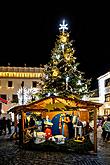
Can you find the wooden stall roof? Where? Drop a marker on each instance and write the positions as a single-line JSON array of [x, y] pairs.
[[52, 102]]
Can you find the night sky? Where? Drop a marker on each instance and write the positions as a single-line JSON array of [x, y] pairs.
[[28, 35]]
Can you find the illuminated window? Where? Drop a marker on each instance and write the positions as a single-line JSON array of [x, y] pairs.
[[11, 75], [3, 96], [34, 84], [107, 82], [107, 97], [14, 98], [10, 83]]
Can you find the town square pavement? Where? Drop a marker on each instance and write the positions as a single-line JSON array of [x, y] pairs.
[[11, 154]]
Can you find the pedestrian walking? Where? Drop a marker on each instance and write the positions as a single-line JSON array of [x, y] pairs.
[[106, 130], [4, 125], [8, 124], [87, 130]]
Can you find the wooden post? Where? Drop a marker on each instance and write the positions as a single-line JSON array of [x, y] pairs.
[[95, 129], [20, 130], [75, 126], [22, 117], [23, 122], [15, 123], [53, 100]]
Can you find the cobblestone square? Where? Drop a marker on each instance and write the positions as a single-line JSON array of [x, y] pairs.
[[11, 154]]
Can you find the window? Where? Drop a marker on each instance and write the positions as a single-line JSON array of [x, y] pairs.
[[107, 82], [3, 96], [34, 84], [107, 97], [10, 83], [14, 98]]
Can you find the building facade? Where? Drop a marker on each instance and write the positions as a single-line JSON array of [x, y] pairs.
[[104, 93], [14, 78]]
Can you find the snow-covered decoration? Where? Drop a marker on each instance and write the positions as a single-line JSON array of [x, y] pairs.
[[25, 95]]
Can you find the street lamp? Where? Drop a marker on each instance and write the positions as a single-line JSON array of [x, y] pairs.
[[22, 85]]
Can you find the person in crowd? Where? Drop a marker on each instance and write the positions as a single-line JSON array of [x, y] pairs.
[[106, 130], [31, 122], [4, 125], [8, 124], [26, 123], [87, 130], [108, 117], [103, 120], [100, 121], [43, 125]]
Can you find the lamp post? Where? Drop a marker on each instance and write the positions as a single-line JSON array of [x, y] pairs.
[[21, 118], [22, 85]]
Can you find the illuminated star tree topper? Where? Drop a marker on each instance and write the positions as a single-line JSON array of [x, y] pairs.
[[63, 26]]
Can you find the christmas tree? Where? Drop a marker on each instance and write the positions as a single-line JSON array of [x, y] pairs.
[[61, 74]]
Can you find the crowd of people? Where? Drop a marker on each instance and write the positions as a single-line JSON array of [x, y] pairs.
[[5, 125]]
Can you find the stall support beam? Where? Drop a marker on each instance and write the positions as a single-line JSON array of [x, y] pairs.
[[21, 128], [15, 122], [23, 123], [95, 130]]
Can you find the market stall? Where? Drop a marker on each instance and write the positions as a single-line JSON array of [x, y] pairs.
[[50, 114]]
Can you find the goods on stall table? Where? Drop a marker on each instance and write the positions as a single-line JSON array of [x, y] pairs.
[[59, 139], [40, 137], [48, 132], [39, 125], [79, 139]]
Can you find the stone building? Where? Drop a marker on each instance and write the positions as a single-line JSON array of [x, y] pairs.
[[104, 93], [14, 78]]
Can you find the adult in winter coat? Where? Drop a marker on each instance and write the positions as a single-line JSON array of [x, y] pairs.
[[106, 130]]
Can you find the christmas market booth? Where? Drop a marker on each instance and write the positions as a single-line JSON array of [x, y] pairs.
[[59, 122]]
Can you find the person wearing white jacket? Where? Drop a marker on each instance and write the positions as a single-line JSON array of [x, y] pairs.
[[106, 130]]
